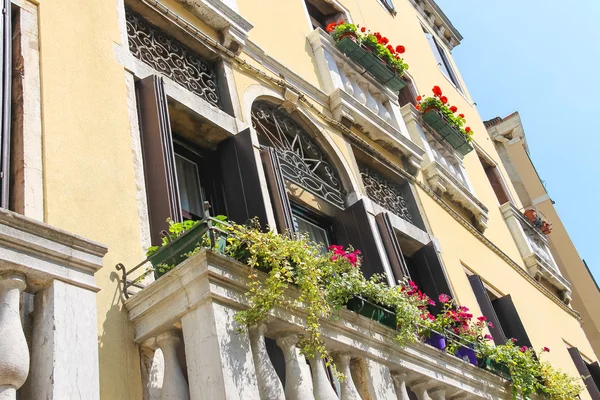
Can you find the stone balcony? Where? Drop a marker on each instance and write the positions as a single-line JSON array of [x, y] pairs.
[[359, 99], [48, 323], [189, 315], [443, 168], [533, 246]]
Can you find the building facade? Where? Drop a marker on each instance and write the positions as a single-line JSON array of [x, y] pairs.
[[117, 115]]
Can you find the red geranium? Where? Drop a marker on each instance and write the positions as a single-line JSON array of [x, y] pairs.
[[437, 92], [418, 107], [547, 350], [331, 27], [390, 48], [400, 49], [453, 109], [467, 129], [363, 29], [384, 41], [419, 98], [461, 115], [444, 99], [377, 35]]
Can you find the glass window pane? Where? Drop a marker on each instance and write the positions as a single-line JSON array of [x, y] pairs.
[[189, 185], [314, 232]]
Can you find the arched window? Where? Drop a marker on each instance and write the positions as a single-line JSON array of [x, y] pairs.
[[302, 160]]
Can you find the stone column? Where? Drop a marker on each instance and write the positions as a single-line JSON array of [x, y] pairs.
[[295, 386], [64, 358], [420, 389], [14, 353], [269, 385], [348, 389], [175, 387], [322, 389], [399, 379], [218, 357]]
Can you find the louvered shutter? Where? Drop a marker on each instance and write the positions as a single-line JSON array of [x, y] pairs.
[[277, 191], [585, 373], [392, 246], [510, 320], [594, 369], [487, 309], [5, 101], [432, 276], [243, 193], [352, 228], [159, 159]]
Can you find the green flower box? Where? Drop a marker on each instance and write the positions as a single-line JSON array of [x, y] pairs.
[[373, 64], [456, 139], [495, 368], [370, 310]]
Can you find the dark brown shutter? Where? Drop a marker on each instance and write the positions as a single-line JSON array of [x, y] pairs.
[[243, 193], [391, 245], [5, 100], [277, 192], [352, 228], [432, 276], [159, 158], [487, 309], [510, 321], [594, 369], [585, 373]]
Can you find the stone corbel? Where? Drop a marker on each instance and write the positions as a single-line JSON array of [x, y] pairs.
[[233, 39], [290, 102]]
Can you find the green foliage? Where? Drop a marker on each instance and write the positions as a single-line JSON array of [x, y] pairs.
[[556, 384], [341, 29], [457, 121]]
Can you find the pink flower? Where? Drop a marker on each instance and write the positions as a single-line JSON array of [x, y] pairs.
[[431, 302], [488, 337], [339, 250], [482, 318], [444, 298], [431, 317], [523, 349], [412, 284], [490, 325], [514, 340], [352, 257], [547, 350]]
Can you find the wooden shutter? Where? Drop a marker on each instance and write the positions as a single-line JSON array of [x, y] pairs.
[[391, 245], [352, 228], [510, 321], [159, 158], [432, 276], [487, 309], [243, 193], [585, 373], [594, 369], [277, 192], [5, 101]]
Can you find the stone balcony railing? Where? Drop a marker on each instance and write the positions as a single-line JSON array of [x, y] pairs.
[[190, 311], [534, 249], [356, 97], [47, 276], [443, 169]]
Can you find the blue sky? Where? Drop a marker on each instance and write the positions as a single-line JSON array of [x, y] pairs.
[[542, 58]]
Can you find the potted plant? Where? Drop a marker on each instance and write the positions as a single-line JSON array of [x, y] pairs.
[[443, 119], [470, 337], [555, 384], [371, 51]]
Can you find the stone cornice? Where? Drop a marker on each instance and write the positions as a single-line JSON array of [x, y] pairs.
[[438, 22], [210, 277]]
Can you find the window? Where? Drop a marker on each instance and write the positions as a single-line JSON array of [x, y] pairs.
[[408, 94], [589, 372], [317, 228], [493, 175], [5, 101], [442, 59], [322, 13], [389, 5]]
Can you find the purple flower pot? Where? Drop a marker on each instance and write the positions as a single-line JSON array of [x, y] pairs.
[[466, 354], [436, 340]]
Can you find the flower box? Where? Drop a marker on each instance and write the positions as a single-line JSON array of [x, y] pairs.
[[456, 139], [466, 354], [436, 340], [373, 64], [371, 310], [495, 368]]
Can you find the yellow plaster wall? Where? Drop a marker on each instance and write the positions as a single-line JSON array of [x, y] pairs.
[[88, 165]]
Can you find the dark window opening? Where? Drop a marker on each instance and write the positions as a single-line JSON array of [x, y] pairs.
[[390, 6], [318, 228], [495, 179], [408, 94], [442, 59], [588, 371], [322, 13], [7, 97]]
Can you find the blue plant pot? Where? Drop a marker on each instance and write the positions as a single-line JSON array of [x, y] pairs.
[[466, 354], [436, 340]]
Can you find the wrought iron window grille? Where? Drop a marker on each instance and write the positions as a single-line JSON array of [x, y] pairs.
[[172, 58], [385, 193]]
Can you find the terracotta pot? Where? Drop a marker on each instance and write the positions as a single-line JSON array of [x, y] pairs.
[[351, 35], [531, 215]]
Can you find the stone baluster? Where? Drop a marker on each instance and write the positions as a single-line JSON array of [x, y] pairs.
[[14, 353], [371, 102], [420, 389], [399, 379], [347, 85], [269, 385], [348, 389], [438, 393], [295, 386], [359, 94], [175, 387], [384, 113], [322, 389]]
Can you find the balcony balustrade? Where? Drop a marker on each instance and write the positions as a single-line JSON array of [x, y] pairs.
[[534, 249], [190, 310], [357, 97]]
